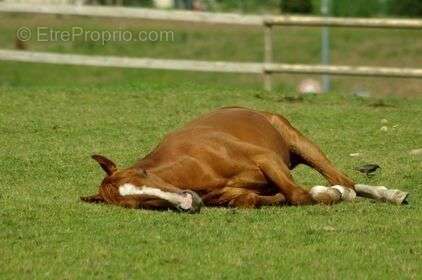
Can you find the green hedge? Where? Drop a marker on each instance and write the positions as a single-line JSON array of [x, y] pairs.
[[411, 8], [342, 8], [141, 3], [296, 6], [247, 5], [370, 8], [356, 8]]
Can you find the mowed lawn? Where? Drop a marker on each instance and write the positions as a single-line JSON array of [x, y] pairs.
[[47, 135]]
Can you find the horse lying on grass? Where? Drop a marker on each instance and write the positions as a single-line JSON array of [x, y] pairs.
[[231, 157]]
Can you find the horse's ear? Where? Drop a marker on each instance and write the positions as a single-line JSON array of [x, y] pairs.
[[107, 165]]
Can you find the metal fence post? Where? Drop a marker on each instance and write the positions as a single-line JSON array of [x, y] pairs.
[[268, 55], [325, 45]]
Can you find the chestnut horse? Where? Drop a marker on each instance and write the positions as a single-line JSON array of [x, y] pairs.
[[231, 157]]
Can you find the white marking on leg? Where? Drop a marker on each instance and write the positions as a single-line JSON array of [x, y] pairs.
[[314, 191], [347, 194], [369, 191], [381, 193], [320, 193], [184, 202]]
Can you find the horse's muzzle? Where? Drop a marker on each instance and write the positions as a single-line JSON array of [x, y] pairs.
[[196, 204]]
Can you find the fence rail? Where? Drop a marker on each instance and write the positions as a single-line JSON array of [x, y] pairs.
[[344, 22], [131, 62], [211, 18], [204, 66], [139, 13], [267, 22]]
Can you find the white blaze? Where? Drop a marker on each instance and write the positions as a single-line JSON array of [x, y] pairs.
[[182, 201]]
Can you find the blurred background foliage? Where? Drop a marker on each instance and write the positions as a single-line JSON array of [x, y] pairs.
[[343, 8]]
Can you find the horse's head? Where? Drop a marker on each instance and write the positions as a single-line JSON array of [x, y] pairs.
[[138, 188]]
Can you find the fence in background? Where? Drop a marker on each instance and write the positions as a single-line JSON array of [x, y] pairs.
[[266, 68]]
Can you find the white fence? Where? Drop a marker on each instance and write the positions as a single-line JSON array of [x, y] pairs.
[[267, 22]]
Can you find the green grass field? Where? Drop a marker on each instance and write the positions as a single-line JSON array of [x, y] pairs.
[[53, 118], [47, 137]]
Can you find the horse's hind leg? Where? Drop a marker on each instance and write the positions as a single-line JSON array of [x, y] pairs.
[[278, 174], [309, 153], [312, 156], [306, 152]]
